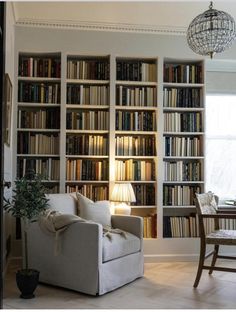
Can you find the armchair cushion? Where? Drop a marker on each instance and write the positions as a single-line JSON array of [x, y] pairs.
[[64, 203], [119, 246], [94, 211]]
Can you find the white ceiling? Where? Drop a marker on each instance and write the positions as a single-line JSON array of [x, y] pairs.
[[172, 15]]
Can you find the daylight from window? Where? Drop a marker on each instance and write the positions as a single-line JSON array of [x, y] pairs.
[[221, 145]]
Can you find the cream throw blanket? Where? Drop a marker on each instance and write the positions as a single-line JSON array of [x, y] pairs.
[[55, 222]]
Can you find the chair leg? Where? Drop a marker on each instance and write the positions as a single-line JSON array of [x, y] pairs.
[[213, 262], [200, 264]]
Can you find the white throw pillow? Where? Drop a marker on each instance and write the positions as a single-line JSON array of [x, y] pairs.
[[95, 211]]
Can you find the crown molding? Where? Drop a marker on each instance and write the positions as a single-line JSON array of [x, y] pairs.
[[103, 26]]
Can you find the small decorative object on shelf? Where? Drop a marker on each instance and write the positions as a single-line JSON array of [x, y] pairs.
[[123, 193], [211, 32]]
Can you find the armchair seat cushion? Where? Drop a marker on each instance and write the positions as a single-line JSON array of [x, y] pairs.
[[119, 246]]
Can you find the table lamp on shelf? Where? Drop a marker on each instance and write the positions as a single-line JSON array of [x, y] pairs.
[[123, 195]]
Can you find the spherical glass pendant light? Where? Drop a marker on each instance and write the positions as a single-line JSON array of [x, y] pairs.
[[211, 32]]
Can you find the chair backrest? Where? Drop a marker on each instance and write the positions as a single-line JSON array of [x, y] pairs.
[[206, 203]]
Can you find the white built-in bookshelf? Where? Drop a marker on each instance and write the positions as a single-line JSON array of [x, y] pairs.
[[183, 145], [136, 134], [87, 125], [90, 121], [38, 116]]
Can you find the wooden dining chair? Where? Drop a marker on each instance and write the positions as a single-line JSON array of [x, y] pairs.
[[207, 207]]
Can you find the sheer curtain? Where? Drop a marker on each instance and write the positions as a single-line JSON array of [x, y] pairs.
[[220, 145]]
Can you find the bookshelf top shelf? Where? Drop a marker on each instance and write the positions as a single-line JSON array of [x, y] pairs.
[[87, 156], [180, 207], [41, 55], [136, 83], [87, 81], [182, 157], [183, 85], [39, 79], [142, 108], [37, 105], [38, 155], [183, 182], [134, 157], [136, 132], [183, 109], [86, 182], [144, 207], [136, 182], [83, 106], [183, 133], [37, 130], [87, 131]]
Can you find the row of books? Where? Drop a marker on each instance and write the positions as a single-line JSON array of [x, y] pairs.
[[135, 121], [87, 94], [179, 195], [135, 146], [180, 226], [182, 146], [52, 189], [182, 171], [30, 143], [49, 168], [93, 192], [86, 169], [49, 67], [183, 73], [134, 170], [135, 71], [182, 122], [150, 226], [88, 69], [87, 120], [39, 119], [86, 145], [188, 226], [136, 96], [182, 97], [145, 194], [35, 92]]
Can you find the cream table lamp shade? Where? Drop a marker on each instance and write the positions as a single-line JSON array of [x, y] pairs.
[[123, 193]]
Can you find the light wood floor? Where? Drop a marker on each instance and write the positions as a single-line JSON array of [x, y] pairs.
[[164, 285]]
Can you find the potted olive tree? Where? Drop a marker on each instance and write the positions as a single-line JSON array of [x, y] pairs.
[[27, 203]]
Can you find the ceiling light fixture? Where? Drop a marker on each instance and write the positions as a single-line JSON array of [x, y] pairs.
[[211, 32]]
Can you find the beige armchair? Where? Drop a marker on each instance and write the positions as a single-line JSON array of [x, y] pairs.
[[88, 261]]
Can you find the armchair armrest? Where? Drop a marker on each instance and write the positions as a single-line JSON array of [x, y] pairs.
[[131, 224], [79, 259], [73, 242]]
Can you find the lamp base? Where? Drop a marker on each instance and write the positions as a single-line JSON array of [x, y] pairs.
[[122, 209]]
